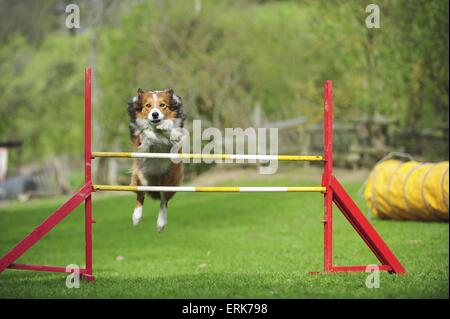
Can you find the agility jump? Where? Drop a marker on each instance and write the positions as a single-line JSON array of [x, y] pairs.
[[332, 191]]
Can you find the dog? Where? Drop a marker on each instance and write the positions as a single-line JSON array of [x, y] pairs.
[[156, 125]]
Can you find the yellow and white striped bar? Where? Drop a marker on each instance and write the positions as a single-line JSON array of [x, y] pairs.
[[209, 156], [232, 189]]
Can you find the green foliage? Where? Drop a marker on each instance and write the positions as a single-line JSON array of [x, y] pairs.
[[33, 19], [41, 94], [279, 53], [222, 61]]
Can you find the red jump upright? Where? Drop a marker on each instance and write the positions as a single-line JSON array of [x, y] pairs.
[[334, 193]]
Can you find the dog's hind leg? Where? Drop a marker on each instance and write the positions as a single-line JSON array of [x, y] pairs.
[[136, 180], [137, 213], [162, 216]]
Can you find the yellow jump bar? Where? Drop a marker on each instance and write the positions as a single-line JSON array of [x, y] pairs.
[[209, 156], [314, 189]]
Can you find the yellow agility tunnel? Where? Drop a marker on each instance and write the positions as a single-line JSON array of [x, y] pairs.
[[409, 190]]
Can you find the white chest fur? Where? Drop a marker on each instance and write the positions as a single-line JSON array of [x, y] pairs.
[[154, 141]]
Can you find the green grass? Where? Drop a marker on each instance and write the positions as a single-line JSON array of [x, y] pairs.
[[221, 246]]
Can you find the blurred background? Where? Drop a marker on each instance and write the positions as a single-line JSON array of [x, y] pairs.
[[236, 63]]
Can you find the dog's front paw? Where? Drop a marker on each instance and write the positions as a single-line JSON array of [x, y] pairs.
[[165, 126]]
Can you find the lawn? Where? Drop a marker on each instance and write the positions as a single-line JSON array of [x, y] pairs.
[[221, 246]]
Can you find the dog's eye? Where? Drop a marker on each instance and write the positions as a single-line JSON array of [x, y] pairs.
[[147, 105], [163, 106]]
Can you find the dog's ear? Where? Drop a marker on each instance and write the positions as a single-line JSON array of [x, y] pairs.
[[176, 103], [137, 100], [136, 103], [169, 91], [140, 92]]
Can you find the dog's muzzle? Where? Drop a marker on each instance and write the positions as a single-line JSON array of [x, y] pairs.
[[155, 116]]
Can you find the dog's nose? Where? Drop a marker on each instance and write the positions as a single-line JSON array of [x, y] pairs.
[[155, 115]]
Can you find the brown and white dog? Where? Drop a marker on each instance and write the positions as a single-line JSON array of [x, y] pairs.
[[156, 121]]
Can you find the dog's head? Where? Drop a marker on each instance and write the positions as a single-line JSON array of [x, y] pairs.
[[151, 107]]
